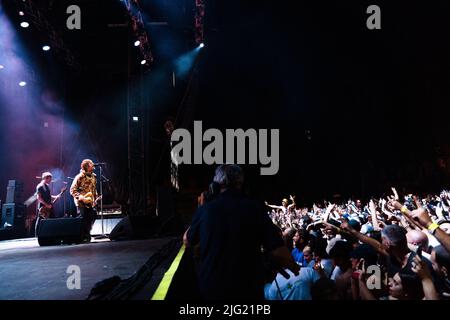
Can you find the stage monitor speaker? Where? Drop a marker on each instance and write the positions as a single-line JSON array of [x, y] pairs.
[[60, 231], [13, 216], [14, 191], [134, 227]]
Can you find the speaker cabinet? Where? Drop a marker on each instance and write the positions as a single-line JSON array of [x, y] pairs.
[[14, 191], [12, 222], [60, 231], [13, 216]]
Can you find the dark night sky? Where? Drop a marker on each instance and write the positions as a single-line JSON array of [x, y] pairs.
[[374, 102]]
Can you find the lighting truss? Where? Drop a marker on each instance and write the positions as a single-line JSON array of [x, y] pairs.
[[138, 27], [38, 20], [199, 21]]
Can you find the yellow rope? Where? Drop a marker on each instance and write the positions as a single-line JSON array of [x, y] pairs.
[[161, 291]]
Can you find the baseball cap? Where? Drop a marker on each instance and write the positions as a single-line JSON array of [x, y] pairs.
[[354, 224]]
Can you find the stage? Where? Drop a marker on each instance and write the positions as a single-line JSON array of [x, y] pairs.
[[31, 272]]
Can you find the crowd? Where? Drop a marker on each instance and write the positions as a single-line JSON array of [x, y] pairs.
[[388, 249]]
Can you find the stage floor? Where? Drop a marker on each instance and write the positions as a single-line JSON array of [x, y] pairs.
[[31, 272]]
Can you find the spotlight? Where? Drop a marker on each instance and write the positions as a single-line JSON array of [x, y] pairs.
[[46, 48], [137, 43], [201, 45], [135, 119], [22, 83], [2, 66], [24, 24], [21, 13], [143, 62]]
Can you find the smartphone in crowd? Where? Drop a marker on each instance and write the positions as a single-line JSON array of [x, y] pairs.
[[419, 252], [360, 268]]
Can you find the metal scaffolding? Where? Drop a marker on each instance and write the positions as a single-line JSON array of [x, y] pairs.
[[138, 181]]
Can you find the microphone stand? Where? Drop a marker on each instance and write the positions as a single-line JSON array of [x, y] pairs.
[[103, 235], [70, 202]]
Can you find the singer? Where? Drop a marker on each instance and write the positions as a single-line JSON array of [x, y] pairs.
[[84, 193]]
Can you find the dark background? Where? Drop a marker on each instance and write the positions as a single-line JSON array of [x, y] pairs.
[[358, 110]]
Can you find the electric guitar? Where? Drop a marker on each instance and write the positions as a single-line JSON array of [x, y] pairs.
[[88, 200], [45, 212]]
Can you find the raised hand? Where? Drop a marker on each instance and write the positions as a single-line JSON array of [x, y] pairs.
[[440, 211], [319, 268], [421, 215], [420, 267], [394, 191], [330, 208], [372, 207], [361, 268], [395, 204]]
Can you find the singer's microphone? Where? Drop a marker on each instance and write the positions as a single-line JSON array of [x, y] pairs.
[[99, 164], [70, 178]]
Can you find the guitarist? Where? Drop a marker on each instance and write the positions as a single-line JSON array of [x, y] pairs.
[[84, 193], [44, 198]]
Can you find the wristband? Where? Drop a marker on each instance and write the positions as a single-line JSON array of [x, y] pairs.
[[432, 228], [404, 209]]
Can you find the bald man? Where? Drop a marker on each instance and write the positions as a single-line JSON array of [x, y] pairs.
[[418, 238]]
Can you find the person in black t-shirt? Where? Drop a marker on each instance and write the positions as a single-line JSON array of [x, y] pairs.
[[44, 198], [231, 230]]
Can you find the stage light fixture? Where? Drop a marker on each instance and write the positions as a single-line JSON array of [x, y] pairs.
[[143, 62], [137, 43], [24, 24], [46, 48], [2, 66], [21, 13], [22, 83], [201, 45], [135, 119]]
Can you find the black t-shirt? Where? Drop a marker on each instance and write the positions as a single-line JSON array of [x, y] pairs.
[[393, 266], [231, 230], [44, 191]]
